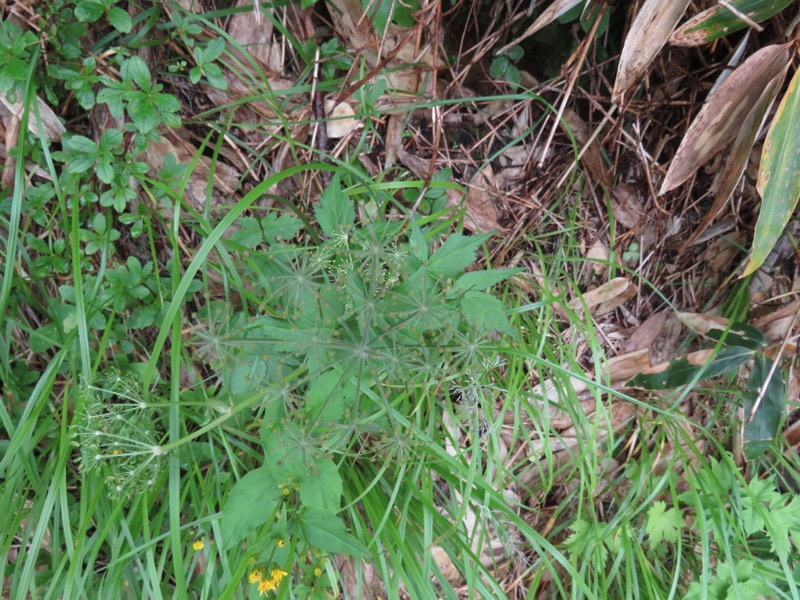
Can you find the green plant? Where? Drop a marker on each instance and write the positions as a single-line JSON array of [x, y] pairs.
[[503, 66], [355, 333]]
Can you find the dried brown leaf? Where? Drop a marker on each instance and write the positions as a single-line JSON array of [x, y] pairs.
[[720, 120], [51, 124], [649, 32], [607, 297], [739, 156], [549, 14]]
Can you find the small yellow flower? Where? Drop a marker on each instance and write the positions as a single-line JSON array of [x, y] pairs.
[[318, 572], [281, 543], [266, 585], [278, 574], [256, 576], [198, 545]]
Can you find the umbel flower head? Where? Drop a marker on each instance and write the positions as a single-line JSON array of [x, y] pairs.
[[117, 436]]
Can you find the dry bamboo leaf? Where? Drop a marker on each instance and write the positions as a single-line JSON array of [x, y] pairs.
[[340, 119], [255, 36], [550, 14], [607, 297], [226, 178], [626, 366], [627, 206], [721, 117], [702, 323], [775, 325], [659, 334], [649, 32], [739, 156], [53, 128], [598, 255]]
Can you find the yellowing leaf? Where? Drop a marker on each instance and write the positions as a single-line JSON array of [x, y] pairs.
[[778, 181], [718, 21], [649, 32], [719, 121], [736, 160]]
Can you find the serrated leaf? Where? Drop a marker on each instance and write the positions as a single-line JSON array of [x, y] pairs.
[[322, 487], [324, 530], [283, 227], [663, 524], [778, 182], [682, 371], [249, 234], [486, 311], [649, 32], [455, 254], [335, 211], [480, 280], [252, 501], [719, 121], [718, 21], [760, 432]]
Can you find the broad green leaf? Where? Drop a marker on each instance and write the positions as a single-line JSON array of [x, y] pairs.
[[740, 334], [335, 211], [328, 397], [418, 243], [480, 280], [120, 20], [214, 49], [252, 502], [135, 69], [760, 432], [487, 311], [455, 254], [326, 531], [682, 371], [718, 21], [322, 487], [719, 121], [80, 143], [778, 181], [89, 11]]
